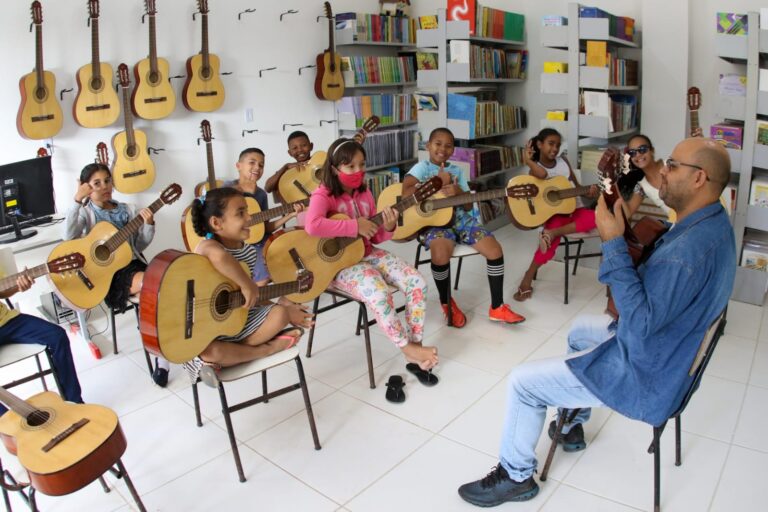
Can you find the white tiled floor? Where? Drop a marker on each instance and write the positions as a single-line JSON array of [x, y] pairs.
[[381, 456]]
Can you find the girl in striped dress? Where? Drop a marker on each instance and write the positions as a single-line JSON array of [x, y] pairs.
[[221, 216]]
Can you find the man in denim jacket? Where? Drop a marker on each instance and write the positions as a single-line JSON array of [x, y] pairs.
[[639, 365]]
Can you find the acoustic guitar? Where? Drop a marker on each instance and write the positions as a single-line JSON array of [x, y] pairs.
[[694, 104], [186, 303], [63, 446], [298, 182], [556, 196], [96, 104], [132, 169], [325, 257], [329, 82], [39, 115], [61, 265], [203, 90], [153, 96], [439, 211], [106, 250]]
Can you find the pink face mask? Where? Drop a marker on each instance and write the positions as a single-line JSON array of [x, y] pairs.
[[353, 180]]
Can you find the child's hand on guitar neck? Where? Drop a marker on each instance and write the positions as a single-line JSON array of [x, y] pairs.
[[390, 218], [147, 215], [594, 191], [366, 228]]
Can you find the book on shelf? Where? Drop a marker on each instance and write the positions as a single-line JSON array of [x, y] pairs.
[[557, 115], [555, 67], [360, 70], [485, 117], [378, 28], [426, 61], [384, 147], [427, 22], [483, 159], [762, 132], [425, 100], [381, 179], [489, 63], [596, 54], [553, 20], [589, 158], [390, 108], [488, 22], [458, 51], [729, 133], [622, 72], [494, 208], [621, 27]]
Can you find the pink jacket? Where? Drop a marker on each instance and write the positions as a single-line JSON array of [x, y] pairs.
[[322, 205]]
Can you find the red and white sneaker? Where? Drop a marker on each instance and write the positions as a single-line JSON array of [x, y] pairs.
[[458, 319], [504, 314]]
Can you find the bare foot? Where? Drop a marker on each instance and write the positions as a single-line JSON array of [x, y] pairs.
[[545, 240], [425, 357]]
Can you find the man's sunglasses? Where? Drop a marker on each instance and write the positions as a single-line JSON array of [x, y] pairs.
[[638, 150]]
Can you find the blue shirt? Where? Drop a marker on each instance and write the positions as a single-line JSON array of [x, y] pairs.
[[665, 307], [425, 170]]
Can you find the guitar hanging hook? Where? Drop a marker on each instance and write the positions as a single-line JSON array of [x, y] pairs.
[[329, 121], [242, 134], [247, 11], [317, 20], [61, 93], [266, 69], [289, 11], [292, 124], [30, 26], [200, 138], [194, 14], [307, 67], [154, 151]]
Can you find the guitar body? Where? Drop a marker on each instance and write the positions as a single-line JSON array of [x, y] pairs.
[[100, 266], [153, 96], [204, 186], [257, 230], [39, 115], [307, 174], [534, 212], [321, 256], [171, 279], [414, 219], [329, 82], [77, 460], [191, 239], [203, 93], [132, 169], [96, 104]]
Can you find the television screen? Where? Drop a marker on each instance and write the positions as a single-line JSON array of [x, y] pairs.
[[27, 188]]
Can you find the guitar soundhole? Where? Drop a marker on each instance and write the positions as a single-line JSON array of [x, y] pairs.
[[425, 208], [220, 305], [329, 249], [97, 83], [38, 418], [154, 77], [551, 196], [102, 253], [222, 302], [205, 73], [41, 93], [316, 174], [130, 151]]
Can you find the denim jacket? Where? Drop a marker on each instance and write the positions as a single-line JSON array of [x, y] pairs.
[[665, 308]]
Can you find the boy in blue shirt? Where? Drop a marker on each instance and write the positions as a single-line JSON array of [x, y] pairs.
[[465, 229]]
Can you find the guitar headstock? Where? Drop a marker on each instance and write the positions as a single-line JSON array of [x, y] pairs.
[[102, 155], [171, 193], [694, 98], [524, 191], [37, 13], [93, 8], [149, 6], [66, 263], [369, 125], [328, 11], [202, 6], [607, 171], [123, 76], [205, 129], [428, 188], [305, 279]]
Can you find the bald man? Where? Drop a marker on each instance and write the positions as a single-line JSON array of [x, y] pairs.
[[639, 365]]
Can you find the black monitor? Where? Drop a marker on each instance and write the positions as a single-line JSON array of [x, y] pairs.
[[26, 195]]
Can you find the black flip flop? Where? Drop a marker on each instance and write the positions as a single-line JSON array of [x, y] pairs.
[[395, 393], [426, 377]]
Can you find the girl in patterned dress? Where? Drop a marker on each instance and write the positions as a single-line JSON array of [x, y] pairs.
[[343, 191]]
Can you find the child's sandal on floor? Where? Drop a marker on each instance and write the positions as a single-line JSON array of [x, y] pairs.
[[523, 295]]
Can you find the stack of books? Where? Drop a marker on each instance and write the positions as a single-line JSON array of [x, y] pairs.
[[378, 70], [623, 112], [488, 62], [378, 28], [483, 159], [622, 71], [390, 146], [487, 22], [379, 180], [486, 117], [390, 108]]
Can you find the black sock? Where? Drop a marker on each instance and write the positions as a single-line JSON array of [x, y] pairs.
[[442, 277], [495, 270]]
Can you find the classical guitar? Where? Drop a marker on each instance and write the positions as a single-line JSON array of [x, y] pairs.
[[102, 154], [186, 303], [203, 90], [643, 235], [438, 211], [298, 182], [106, 250], [63, 446], [211, 182], [132, 169], [694, 104], [39, 114], [153, 96], [96, 104], [325, 257], [66, 263], [555, 196], [329, 82]]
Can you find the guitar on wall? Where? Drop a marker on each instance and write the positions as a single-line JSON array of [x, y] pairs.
[[96, 104], [102, 154], [153, 96], [555, 196], [106, 251], [694, 104], [186, 303], [62, 445], [329, 82], [132, 169], [438, 211], [325, 257], [39, 115], [203, 90], [298, 182], [61, 265]]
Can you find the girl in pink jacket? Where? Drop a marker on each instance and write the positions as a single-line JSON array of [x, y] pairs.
[[343, 190]]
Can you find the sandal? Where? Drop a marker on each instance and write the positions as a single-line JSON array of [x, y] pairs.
[[523, 295], [544, 241], [395, 393], [283, 335], [426, 377]]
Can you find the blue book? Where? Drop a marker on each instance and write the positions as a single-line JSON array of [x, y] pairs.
[[465, 108]]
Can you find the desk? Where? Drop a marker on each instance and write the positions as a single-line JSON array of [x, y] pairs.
[[46, 235]]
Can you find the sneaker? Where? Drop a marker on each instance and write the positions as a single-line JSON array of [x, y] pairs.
[[497, 488], [459, 320], [160, 375], [573, 441], [504, 314]]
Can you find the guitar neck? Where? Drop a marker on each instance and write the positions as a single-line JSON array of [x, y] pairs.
[[9, 282], [469, 197], [573, 192], [694, 114], [204, 50], [16, 404], [269, 292], [95, 66], [610, 200], [128, 118], [277, 211], [211, 171], [331, 43], [378, 219], [152, 45], [39, 55], [131, 228]]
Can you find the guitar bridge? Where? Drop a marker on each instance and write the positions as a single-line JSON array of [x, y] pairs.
[[207, 93], [84, 278], [333, 86], [42, 118], [155, 100], [189, 317], [134, 173], [65, 434], [91, 108], [531, 206]]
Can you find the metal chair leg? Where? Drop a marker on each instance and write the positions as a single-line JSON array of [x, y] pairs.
[[150, 367], [307, 402], [315, 306], [360, 311], [565, 260], [418, 255], [450, 303], [129, 484], [196, 399], [231, 432], [104, 485], [40, 372], [458, 273], [114, 331], [678, 460], [368, 356], [553, 445], [54, 372], [264, 385], [656, 469], [578, 254]]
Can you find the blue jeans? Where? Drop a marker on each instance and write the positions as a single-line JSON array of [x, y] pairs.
[[548, 382], [33, 330]]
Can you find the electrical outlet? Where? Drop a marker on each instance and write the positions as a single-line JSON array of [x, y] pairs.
[[249, 115]]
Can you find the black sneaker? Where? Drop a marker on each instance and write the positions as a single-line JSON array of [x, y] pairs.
[[573, 441], [160, 375], [497, 488]]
